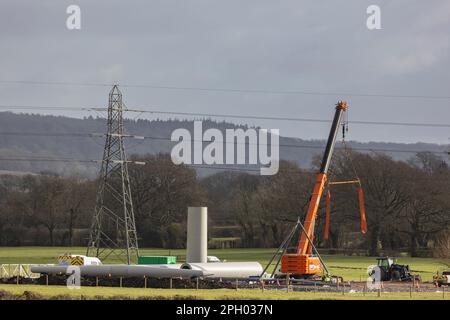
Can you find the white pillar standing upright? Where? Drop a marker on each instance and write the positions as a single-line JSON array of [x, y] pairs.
[[197, 235]]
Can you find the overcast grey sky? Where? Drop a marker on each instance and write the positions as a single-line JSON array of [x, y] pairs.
[[318, 46]]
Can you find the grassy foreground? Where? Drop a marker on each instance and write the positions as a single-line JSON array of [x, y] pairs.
[[349, 267], [61, 292]]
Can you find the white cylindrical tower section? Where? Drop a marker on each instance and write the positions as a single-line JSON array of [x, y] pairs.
[[197, 235]]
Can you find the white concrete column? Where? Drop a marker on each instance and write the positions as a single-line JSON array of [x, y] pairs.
[[197, 235]]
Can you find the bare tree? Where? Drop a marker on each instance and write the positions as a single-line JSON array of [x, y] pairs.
[[162, 191]]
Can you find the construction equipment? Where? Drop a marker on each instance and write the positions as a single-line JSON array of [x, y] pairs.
[[302, 263], [391, 271], [442, 279], [306, 263]]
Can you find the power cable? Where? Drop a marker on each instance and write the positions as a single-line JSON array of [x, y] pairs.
[[230, 90], [234, 116], [100, 135]]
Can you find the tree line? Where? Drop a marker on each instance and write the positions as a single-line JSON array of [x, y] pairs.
[[407, 205]]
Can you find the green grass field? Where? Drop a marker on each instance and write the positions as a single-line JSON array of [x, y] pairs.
[[61, 292], [349, 267]]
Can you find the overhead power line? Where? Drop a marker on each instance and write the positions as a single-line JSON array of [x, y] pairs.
[[231, 90], [144, 137], [210, 167], [193, 166], [235, 116], [232, 116], [47, 160], [213, 167]]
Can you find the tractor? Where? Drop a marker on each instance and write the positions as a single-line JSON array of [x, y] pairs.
[[443, 279], [391, 271]]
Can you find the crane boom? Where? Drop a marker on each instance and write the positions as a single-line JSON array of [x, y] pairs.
[[311, 216]]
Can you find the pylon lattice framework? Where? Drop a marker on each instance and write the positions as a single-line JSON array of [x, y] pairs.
[[113, 229]]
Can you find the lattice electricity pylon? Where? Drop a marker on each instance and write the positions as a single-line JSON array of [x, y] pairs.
[[113, 229]]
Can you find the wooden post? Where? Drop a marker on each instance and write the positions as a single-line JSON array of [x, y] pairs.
[[145, 282], [120, 280], [379, 292], [262, 285], [237, 284], [343, 289], [170, 283], [17, 279], [315, 288], [196, 283], [46, 279], [287, 282]]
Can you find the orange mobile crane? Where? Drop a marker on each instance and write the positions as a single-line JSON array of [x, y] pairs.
[[303, 263]]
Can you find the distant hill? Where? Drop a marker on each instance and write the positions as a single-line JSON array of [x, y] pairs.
[[39, 136]]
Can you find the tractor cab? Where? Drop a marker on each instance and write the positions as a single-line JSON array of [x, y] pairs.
[[385, 263], [391, 271]]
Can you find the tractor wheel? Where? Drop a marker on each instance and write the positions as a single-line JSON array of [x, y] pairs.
[[395, 276]]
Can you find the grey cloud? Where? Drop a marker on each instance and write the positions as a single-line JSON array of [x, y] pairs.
[[277, 45]]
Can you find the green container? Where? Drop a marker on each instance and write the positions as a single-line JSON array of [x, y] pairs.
[[157, 260]]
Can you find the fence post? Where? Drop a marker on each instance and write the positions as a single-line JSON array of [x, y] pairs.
[[287, 282], [170, 283], [196, 283], [237, 284], [46, 279], [145, 282]]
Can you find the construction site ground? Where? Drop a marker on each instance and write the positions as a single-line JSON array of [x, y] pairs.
[[351, 268], [23, 292]]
